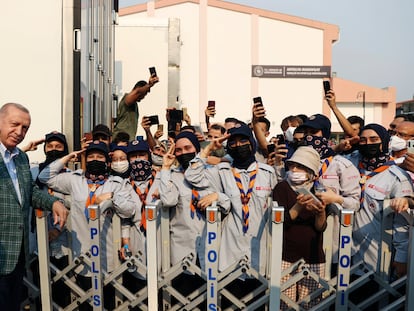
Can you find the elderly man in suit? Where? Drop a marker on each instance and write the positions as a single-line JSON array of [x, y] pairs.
[[17, 193]]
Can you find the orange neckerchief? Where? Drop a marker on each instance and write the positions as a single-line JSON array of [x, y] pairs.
[[365, 177], [93, 186], [143, 198], [245, 196]]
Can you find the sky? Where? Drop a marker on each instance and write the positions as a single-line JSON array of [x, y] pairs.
[[376, 38]]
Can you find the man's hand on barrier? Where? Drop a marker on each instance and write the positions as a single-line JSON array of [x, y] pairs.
[[60, 213], [207, 200], [400, 204]]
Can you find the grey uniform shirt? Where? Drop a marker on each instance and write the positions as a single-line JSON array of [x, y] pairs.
[[235, 244], [342, 177], [187, 234], [75, 184], [391, 183]]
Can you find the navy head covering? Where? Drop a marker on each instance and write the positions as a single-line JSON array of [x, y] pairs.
[[382, 133], [191, 137], [243, 130]]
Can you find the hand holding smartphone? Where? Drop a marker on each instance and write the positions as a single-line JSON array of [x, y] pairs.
[[258, 101], [307, 192], [152, 71], [153, 119], [88, 136], [326, 86]]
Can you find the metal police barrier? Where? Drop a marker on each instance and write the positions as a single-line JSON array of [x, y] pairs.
[[278, 214], [151, 211], [43, 255], [212, 246], [94, 225], [159, 275]]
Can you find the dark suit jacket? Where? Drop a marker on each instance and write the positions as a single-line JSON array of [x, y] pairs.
[[14, 217]]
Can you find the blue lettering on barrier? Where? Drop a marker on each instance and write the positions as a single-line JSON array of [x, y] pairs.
[[344, 261], [345, 240], [96, 282], [342, 297], [96, 300], [95, 250], [211, 236], [212, 256], [94, 232], [212, 307], [212, 290], [211, 277], [341, 281], [93, 268]]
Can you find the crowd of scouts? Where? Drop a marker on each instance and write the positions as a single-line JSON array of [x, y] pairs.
[[239, 166]]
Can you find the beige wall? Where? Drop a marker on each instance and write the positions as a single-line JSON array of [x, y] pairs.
[[221, 41], [30, 63]]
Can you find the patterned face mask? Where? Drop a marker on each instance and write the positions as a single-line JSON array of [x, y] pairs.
[[320, 144], [140, 169]]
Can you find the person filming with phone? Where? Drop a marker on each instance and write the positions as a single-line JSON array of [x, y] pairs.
[[305, 221], [128, 112]]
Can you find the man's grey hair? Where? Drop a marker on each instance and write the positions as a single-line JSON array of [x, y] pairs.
[[5, 108]]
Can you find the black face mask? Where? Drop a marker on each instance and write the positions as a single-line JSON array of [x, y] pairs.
[[241, 153], [53, 155], [185, 159], [96, 167], [370, 150]]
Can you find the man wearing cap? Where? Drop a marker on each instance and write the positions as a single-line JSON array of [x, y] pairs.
[[93, 186], [55, 147], [187, 205], [128, 113], [304, 223], [248, 184], [102, 133]]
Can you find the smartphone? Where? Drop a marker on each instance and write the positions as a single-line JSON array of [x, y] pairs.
[[307, 192], [410, 146], [211, 103], [153, 119], [326, 86], [152, 71], [184, 111], [160, 127], [258, 101], [88, 136], [140, 138], [176, 115], [271, 148], [280, 139]]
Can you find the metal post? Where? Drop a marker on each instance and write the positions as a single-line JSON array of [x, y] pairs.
[[211, 259], [95, 251], [43, 248], [344, 263], [151, 210], [409, 293], [276, 262]]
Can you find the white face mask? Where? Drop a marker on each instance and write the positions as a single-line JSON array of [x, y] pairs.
[[120, 166], [289, 133], [397, 143], [297, 178], [156, 159]]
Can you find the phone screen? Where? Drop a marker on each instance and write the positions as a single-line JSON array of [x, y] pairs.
[[258, 101], [326, 86], [211, 103]]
